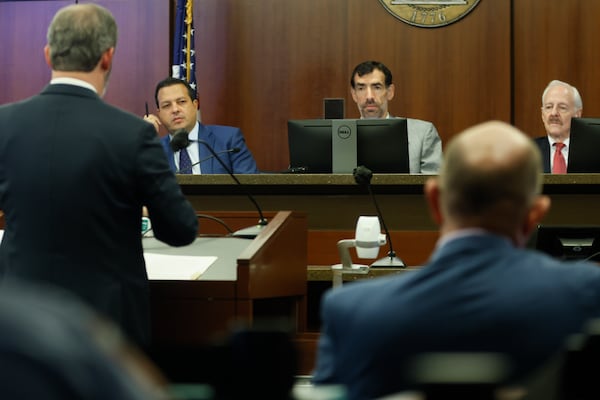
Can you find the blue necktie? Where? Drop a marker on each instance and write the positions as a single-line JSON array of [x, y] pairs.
[[185, 163]]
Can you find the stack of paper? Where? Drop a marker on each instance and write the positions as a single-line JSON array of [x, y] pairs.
[[172, 267]]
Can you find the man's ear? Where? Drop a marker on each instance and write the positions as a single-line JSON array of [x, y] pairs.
[[106, 59], [432, 195], [537, 212], [391, 90], [354, 96], [47, 55]]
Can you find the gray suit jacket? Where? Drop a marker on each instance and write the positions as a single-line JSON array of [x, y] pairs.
[[424, 147]]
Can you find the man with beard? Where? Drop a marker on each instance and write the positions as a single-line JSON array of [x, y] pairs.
[[372, 88]]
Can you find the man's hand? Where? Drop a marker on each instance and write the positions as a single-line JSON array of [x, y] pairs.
[[153, 119]]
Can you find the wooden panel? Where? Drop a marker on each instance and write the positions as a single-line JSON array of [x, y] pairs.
[[268, 61], [141, 58], [454, 76], [554, 40], [412, 247], [23, 70]]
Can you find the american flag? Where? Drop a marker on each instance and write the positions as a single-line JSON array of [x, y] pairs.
[[184, 55]]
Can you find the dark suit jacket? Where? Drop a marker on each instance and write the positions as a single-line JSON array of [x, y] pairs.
[[74, 175], [478, 293], [220, 138], [544, 146], [53, 348], [583, 152]]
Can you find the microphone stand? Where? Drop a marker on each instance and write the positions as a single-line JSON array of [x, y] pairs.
[[232, 150], [180, 141], [363, 175]]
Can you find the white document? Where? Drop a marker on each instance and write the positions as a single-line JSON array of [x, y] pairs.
[[173, 267]]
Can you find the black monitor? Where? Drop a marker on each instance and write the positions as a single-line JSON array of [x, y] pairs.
[[572, 242], [338, 146], [584, 145]]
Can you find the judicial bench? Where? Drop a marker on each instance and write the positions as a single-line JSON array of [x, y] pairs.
[[332, 204]]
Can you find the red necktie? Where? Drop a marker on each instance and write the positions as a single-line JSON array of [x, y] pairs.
[[559, 166]]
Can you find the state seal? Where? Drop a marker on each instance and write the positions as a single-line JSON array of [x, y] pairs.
[[429, 13]]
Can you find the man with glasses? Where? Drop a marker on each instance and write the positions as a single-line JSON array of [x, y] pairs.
[[372, 88], [560, 103]]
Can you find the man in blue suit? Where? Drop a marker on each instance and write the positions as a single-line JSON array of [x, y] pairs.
[[481, 290], [75, 174], [177, 109]]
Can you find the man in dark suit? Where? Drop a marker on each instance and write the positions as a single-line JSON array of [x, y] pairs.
[[75, 173], [481, 290], [177, 109], [560, 103]]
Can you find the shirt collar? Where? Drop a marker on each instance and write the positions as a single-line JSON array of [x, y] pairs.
[[193, 134], [74, 82], [552, 141]]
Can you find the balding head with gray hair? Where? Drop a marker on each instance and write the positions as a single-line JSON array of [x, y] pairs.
[[490, 178], [78, 36]]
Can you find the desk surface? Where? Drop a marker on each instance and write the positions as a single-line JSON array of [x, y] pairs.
[[345, 183], [226, 249]]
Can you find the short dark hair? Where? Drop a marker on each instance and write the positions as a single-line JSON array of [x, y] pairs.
[[170, 81], [367, 67]]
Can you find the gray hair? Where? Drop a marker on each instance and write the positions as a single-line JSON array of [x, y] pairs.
[[576, 97], [78, 36]]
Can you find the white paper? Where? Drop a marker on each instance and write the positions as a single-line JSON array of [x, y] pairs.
[[172, 267]]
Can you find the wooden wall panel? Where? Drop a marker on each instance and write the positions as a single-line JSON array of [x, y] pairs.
[[554, 40], [139, 59], [23, 27], [454, 76], [262, 63]]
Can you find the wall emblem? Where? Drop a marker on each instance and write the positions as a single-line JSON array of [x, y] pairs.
[[429, 13]]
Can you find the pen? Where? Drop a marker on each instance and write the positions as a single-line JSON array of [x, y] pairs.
[[146, 108]]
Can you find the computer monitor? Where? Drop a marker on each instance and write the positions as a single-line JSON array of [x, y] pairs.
[[338, 146], [583, 146], [568, 242]]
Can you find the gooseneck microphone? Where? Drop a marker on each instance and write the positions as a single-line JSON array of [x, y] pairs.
[[362, 176], [232, 150], [180, 141]]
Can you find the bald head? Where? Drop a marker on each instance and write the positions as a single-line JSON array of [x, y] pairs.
[[490, 177]]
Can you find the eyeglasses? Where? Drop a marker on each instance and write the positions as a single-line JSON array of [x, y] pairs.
[[561, 108]]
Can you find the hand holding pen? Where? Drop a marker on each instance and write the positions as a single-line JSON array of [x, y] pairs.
[[153, 119]]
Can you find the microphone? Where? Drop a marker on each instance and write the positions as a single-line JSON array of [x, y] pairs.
[[180, 141], [362, 176], [232, 150]]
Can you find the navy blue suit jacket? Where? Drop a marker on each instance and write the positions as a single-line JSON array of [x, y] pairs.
[[220, 138], [74, 175], [478, 293]]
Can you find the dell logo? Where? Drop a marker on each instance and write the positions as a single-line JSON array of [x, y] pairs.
[[344, 132]]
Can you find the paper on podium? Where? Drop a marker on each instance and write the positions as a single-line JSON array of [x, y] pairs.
[[173, 267]]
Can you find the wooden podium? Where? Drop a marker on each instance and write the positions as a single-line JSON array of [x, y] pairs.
[[262, 279]]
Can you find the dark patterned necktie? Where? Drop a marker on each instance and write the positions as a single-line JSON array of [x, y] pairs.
[[185, 163], [559, 165]]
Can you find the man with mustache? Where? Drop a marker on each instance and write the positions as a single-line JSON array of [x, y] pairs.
[[372, 88], [560, 103]]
